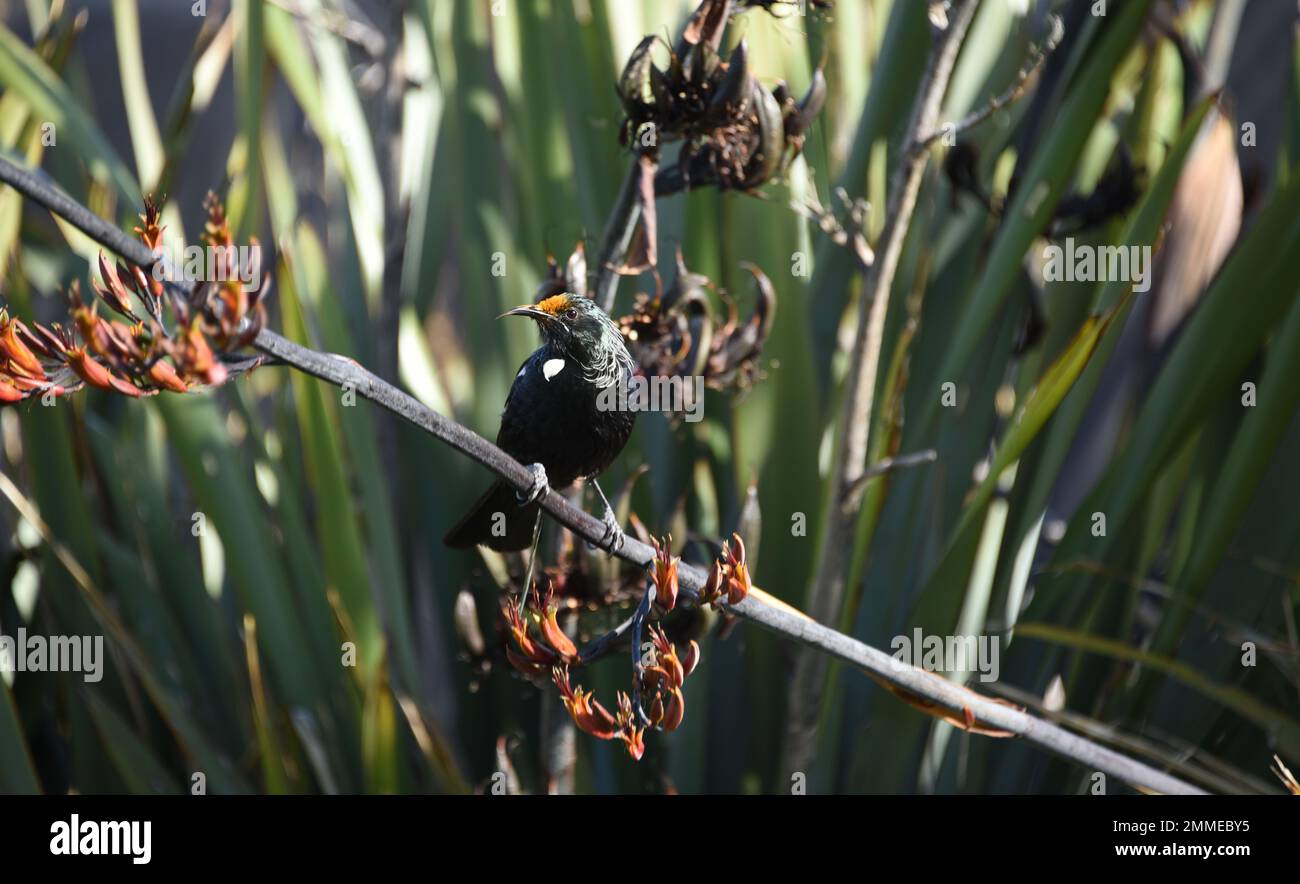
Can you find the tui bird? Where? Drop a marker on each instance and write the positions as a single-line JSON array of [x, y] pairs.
[[554, 421]]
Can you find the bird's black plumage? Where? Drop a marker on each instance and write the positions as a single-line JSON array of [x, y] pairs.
[[554, 416]]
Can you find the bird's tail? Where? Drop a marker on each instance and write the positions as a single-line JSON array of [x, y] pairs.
[[496, 521]]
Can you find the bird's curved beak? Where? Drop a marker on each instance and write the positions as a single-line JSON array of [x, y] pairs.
[[527, 310]]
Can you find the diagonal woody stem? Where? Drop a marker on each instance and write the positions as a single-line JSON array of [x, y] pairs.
[[834, 555], [618, 233], [758, 607]]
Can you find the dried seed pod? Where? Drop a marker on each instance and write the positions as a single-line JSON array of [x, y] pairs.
[[634, 83], [575, 272], [661, 91], [699, 337], [707, 23], [734, 130], [686, 284], [699, 65], [735, 358], [771, 144], [731, 98], [797, 124], [571, 278], [465, 613], [781, 92]]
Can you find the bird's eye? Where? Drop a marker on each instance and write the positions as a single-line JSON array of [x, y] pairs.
[[571, 313]]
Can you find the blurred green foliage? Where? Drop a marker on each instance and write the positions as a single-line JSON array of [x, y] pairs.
[[321, 521]]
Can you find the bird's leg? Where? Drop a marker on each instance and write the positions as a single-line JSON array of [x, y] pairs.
[[613, 537], [535, 492], [537, 489], [532, 559]]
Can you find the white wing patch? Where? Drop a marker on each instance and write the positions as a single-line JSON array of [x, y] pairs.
[[522, 369], [552, 367]]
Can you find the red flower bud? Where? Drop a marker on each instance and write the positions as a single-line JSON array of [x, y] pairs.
[[162, 374], [738, 586], [97, 375], [90, 371], [522, 663], [676, 710], [112, 291], [556, 638], [20, 358], [531, 651], [657, 711], [692, 658], [665, 575], [590, 717], [634, 740], [713, 585], [10, 393]]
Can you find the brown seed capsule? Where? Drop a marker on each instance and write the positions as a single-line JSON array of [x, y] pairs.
[[809, 107], [771, 145], [700, 64], [466, 619], [634, 83], [732, 98]]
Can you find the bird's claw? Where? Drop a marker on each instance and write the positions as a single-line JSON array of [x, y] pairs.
[[613, 537], [535, 490]]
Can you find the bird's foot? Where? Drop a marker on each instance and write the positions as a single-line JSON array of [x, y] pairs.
[[613, 538], [537, 489]]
